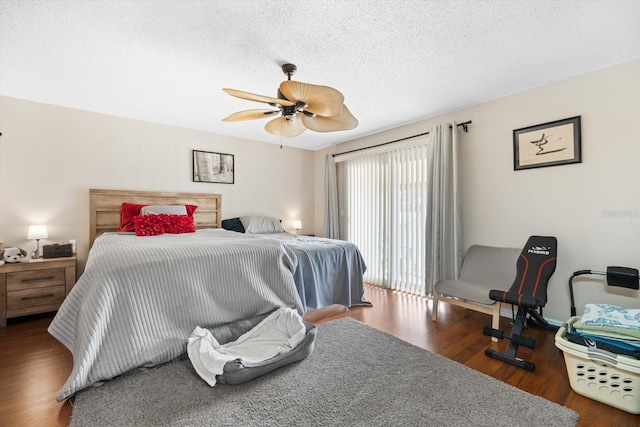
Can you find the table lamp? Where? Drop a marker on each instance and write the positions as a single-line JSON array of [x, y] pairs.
[[37, 232], [297, 225]]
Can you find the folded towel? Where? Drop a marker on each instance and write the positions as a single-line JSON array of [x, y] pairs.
[[278, 333], [612, 345], [607, 331], [610, 320]]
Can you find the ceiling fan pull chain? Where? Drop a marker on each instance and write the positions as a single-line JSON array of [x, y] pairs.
[[281, 134]]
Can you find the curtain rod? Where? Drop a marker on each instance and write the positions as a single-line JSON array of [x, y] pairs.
[[465, 127]]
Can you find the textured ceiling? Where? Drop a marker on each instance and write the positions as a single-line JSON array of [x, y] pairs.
[[395, 61]]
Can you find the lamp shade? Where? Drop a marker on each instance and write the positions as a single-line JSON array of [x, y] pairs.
[[297, 224], [37, 232]]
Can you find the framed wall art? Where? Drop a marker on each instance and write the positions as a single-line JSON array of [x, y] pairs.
[[549, 144], [213, 167]]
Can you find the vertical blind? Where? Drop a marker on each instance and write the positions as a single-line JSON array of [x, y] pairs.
[[386, 204]]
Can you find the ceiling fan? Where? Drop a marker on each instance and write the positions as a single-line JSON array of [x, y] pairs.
[[301, 106]]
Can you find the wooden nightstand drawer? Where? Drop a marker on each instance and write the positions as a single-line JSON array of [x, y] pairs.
[[36, 297], [37, 286], [21, 280]]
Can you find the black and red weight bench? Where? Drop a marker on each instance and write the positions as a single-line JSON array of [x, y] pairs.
[[535, 266]]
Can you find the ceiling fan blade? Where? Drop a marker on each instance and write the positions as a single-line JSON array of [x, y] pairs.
[[249, 115], [258, 98], [288, 128], [321, 100], [344, 121]]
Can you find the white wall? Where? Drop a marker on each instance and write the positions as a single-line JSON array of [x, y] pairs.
[[593, 208], [50, 156]]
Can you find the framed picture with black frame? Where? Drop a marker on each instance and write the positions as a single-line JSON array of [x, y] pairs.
[[213, 167], [548, 144]]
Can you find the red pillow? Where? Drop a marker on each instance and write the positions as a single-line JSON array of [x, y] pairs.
[[152, 225], [147, 225], [127, 212], [130, 210]]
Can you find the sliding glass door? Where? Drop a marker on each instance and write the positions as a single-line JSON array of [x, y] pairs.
[[386, 208]]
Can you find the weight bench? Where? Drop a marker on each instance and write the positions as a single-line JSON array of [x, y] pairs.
[[535, 266]]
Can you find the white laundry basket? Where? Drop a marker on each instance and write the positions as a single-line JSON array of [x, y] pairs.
[[601, 375]]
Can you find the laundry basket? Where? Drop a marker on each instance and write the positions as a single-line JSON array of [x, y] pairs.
[[601, 375]]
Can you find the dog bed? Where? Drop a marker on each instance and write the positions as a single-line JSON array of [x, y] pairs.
[[239, 371]]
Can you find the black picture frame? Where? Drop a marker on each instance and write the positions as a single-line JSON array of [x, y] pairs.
[[212, 167], [548, 144]]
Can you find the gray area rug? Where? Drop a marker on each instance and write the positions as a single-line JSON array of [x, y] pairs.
[[356, 376]]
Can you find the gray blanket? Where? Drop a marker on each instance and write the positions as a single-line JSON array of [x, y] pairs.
[[329, 271], [139, 298]]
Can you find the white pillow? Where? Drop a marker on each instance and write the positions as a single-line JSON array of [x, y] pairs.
[[164, 209], [261, 224]]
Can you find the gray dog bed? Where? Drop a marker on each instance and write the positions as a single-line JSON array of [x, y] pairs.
[[238, 371]]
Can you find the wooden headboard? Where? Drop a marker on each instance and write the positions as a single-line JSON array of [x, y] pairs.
[[104, 207]]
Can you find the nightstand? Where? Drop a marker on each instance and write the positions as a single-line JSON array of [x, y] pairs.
[[38, 286]]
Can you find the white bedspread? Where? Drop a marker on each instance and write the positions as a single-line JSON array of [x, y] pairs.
[[140, 298]]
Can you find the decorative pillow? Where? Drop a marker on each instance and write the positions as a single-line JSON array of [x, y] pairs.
[[164, 209], [148, 225], [127, 212], [168, 209], [191, 209], [261, 224], [130, 210], [179, 224], [152, 225], [233, 224], [161, 209]]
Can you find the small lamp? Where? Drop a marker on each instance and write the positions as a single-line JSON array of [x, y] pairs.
[[297, 225], [37, 232]]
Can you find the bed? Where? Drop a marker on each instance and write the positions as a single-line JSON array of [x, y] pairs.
[[329, 271], [139, 298]]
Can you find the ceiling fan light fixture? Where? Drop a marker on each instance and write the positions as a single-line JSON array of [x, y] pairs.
[[301, 105], [284, 127], [289, 113]]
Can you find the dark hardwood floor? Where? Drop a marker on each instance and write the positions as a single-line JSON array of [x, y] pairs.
[[33, 365]]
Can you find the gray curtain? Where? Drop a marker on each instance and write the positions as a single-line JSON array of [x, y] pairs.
[[443, 231], [331, 216]]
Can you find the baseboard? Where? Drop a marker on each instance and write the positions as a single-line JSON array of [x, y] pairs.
[[505, 311]]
